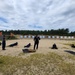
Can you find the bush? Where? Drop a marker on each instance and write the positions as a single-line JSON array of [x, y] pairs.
[[11, 37]]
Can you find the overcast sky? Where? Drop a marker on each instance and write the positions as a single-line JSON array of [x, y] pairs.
[[37, 14]]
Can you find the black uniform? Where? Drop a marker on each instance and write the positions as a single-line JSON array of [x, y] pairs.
[[36, 42], [3, 43]]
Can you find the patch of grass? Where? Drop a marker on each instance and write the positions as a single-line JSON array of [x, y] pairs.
[[69, 43], [65, 48], [36, 64], [21, 54], [72, 57]]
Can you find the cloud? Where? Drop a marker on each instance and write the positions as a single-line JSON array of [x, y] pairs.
[[37, 14], [3, 20], [35, 26]]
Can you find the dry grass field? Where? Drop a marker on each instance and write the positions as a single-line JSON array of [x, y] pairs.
[[45, 61]]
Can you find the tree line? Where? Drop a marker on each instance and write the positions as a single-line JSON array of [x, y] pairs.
[[40, 32]]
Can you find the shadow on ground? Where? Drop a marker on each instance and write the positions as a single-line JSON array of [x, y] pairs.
[[71, 52]]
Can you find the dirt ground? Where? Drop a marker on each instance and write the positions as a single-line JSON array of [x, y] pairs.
[[44, 47]]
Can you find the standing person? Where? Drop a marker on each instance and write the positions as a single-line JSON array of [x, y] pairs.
[[36, 41], [3, 43]]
